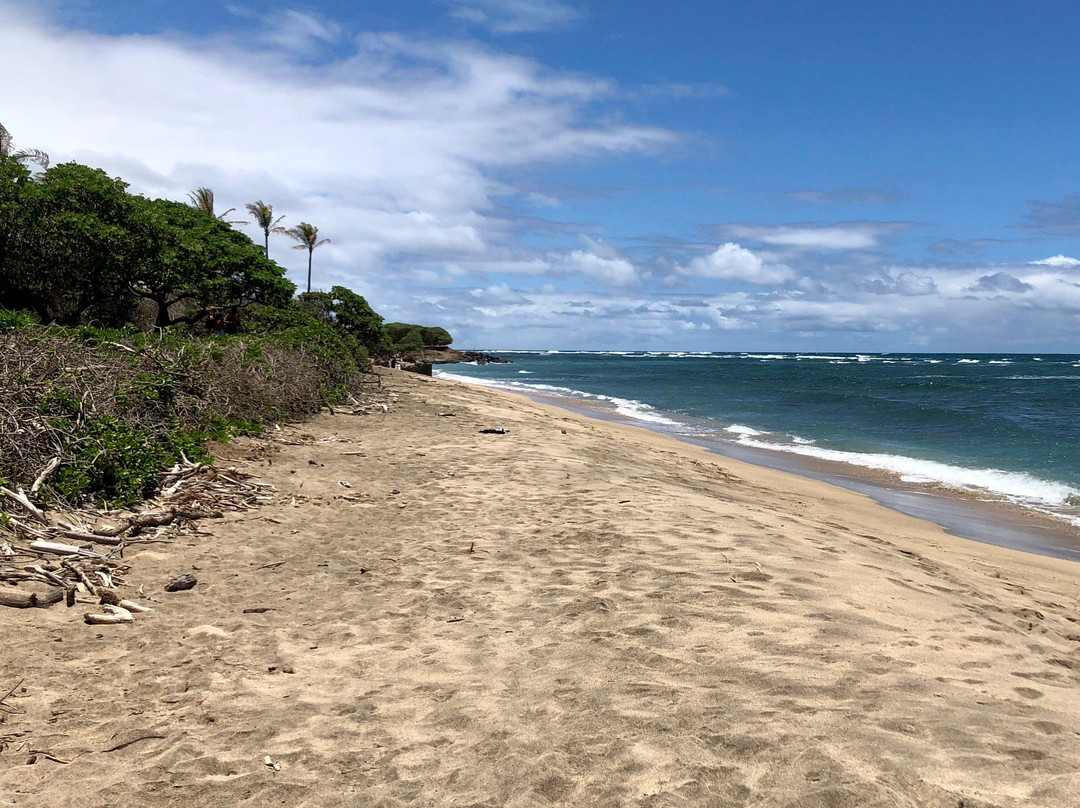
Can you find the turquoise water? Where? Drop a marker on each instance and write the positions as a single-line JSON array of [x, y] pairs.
[[1002, 426]]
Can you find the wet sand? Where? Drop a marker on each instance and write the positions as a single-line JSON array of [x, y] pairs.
[[568, 613], [962, 514]]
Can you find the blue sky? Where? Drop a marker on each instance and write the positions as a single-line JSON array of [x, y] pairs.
[[696, 176]]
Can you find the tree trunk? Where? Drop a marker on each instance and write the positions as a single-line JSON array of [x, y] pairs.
[[310, 250]]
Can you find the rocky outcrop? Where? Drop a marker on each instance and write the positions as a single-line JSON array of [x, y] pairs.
[[442, 356]]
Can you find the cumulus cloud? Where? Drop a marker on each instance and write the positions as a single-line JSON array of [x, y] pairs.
[[814, 236], [1001, 282], [394, 146], [731, 261], [1057, 261], [516, 16], [614, 271]]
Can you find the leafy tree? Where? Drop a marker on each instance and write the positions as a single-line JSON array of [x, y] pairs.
[[14, 177], [348, 311], [7, 149], [308, 236], [263, 215], [190, 262], [72, 247], [202, 199]]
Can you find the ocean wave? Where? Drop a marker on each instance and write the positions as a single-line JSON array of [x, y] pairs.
[[1042, 378], [1019, 487], [968, 361], [739, 429], [628, 408], [525, 371]]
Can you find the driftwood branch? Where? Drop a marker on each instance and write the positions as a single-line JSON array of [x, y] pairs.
[[50, 467], [27, 505], [29, 600]]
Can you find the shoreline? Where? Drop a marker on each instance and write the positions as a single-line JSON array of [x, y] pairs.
[[567, 612], [966, 516]]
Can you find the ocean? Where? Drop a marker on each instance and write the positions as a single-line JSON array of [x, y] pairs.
[[997, 427]]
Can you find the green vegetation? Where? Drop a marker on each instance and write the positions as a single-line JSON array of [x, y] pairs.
[[408, 338], [134, 329], [308, 236]]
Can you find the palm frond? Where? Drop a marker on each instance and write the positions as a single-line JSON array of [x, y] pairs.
[[7, 149], [7, 142], [32, 156], [203, 199]]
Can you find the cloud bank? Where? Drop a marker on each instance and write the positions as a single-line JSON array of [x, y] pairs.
[[432, 164]]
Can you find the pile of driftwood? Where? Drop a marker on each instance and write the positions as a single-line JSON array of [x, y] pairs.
[[49, 557]]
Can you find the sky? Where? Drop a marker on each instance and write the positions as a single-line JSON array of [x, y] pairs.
[[794, 175]]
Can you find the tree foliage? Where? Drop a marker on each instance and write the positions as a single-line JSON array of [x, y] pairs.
[[409, 337], [190, 262], [308, 237], [69, 245], [202, 199], [263, 215], [75, 246], [349, 312]]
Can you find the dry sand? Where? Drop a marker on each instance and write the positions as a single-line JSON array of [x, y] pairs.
[[638, 623]]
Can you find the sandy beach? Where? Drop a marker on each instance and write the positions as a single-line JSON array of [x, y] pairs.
[[573, 612]]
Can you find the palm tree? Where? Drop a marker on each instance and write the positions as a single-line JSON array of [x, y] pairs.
[[7, 149], [307, 235], [203, 199], [263, 215]]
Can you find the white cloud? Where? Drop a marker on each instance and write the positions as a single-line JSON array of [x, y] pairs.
[[1057, 261], [732, 262], [299, 32], [611, 271], [840, 236], [516, 16], [394, 149]]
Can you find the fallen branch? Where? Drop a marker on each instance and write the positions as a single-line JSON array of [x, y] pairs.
[[113, 616], [58, 548], [22, 499], [30, 600], [50, 467]]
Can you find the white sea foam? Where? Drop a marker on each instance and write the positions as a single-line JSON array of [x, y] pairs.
[[968, 361], [739, 429], [525, 371], [1043, 378], [1016, 486], [766, 356], [628, 408]]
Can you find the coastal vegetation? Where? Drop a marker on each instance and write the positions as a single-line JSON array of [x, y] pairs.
[[135, 330], [408, 338]]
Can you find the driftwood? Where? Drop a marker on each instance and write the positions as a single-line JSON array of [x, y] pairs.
[[112, 616], [50, 467], [22, 499], [55, 553], [10, 596], [58, 548]]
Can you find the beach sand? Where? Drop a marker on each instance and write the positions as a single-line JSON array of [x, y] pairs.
[[571, 613]]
